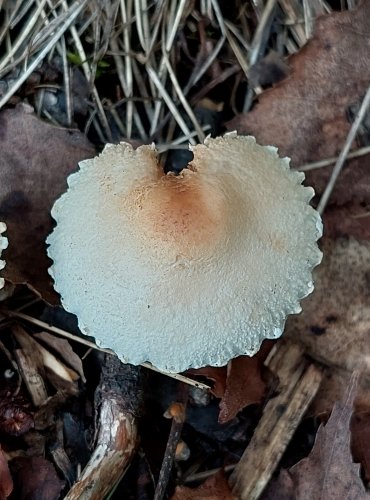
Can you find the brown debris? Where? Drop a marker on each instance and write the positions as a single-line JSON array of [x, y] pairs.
[[35, 161]]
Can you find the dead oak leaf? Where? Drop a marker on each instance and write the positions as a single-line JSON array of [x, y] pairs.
[[215, 487], [305, 115], [35, 161], [329, 471]]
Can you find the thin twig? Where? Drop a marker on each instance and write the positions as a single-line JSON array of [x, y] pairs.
[[329, 161]]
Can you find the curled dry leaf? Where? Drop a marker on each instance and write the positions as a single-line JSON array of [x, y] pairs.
[[215, 487], [335, 322], [35, 160], [306, 114]]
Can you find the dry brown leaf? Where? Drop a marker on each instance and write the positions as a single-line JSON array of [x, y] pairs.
[[335, 322], [216, 374], [306, 114], [244, 385], [35, 161], [6, 482], [329, 472], [215, 487]]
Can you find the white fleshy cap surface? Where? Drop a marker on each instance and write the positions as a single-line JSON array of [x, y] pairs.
[[3, 246], [189, 270]]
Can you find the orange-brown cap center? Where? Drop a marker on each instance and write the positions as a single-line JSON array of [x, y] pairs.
[[185, 213]]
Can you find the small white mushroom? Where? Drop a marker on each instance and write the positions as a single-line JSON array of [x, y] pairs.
[[3, 246], [188, 270]]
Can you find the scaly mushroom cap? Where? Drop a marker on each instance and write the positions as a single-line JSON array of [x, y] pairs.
[[3, 246], [189, 270]]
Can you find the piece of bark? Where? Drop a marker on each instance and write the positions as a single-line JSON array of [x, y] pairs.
[[117, 402], [64, 350], [46, 364], [298, 384], [31, 377]]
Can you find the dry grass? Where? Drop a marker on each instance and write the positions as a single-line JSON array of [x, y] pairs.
[[161, 57]]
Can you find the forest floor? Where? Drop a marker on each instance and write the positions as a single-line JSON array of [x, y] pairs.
[[291, 422]]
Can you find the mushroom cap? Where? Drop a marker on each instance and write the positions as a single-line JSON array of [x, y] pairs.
[[189, 270], [3, 246]]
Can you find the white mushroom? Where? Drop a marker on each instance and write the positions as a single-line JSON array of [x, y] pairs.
[[3, 246], [189, 270]]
